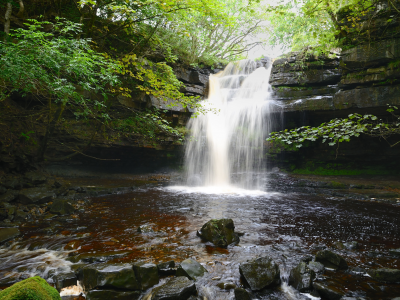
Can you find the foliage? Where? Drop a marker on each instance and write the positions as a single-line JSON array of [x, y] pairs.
[[317, 24], [56, 66], [340, 130], [34, 288]]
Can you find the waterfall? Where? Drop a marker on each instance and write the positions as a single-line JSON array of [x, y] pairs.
[[226, 147]]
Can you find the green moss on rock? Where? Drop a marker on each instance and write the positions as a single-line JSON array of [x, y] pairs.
[[34, 288]]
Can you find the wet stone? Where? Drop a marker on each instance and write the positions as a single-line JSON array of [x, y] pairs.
[[61, 207], [167, 268], [119, 276], [219, 232], [301, 277], [385, 275], [191, 269], [242, 294], [178, 288], [35, 196], [226, 285], [328, 291], [63, 280], [316, 267], [35, 178], [147, 228], [146, 274], [351, 245], [260, 273], [8, 196], [7, 234], [112, 294], [331, 260]]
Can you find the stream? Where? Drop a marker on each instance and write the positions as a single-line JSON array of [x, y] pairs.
[[284, 225]]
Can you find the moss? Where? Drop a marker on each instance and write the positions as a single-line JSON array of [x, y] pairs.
[[34, 288]]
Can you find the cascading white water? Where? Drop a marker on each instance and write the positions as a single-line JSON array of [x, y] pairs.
[[226, 147]]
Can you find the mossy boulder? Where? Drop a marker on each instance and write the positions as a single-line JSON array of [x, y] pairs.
[[34, 288], [260, 273], [385, 275], [61, 207], [301, 277], [331, 260], [219, 232]]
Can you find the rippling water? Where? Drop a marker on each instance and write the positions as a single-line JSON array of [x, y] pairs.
[[284, 226]]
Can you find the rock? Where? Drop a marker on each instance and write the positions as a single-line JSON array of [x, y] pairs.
[[146, 228], [226, 285], [301, 277], [260, 273], [178, 288], [191, 269], [330, 76], [73, 245], [328, 291], [219, 232], [395, 252], [20, 216], [14, 184], [35, 178], [331, 260], [3, 190], [119, 276], [385, 275], [242, 294], [97, 257], [63, 280], [112, 294], [316, 267], [167, 268], [31, 288], [7, 234], [353, 298], [35, 196], [146, 274], [9, 196], [61, 207]]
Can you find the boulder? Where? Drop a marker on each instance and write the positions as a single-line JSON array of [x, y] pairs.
[[103, 275], [31, 288], [35, 178], [112, 294], [35, 196], [3, 190], [61, 207], [260, 273], [191, 269], [301, 277], [167, 268], [146, 274], [331, 260], [63, 280], [316, 267], [9, 196], [242, 294], [385, 275], [219, 232], [21, 216], [178, 288], [328, 291], [7, 234]]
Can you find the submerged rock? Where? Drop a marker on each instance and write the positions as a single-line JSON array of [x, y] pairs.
[[119, 276], [219, 232], [331, 260], [301, 277], [260, 273], [191, 269], [146, 274], [61, 207], [385, 275], [178, 288], [112, 294], [7, 234]]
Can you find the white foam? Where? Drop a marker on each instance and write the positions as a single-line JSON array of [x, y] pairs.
[[218, 190]]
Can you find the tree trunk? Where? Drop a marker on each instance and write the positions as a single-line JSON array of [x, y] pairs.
[[7, 18], [21, 11]]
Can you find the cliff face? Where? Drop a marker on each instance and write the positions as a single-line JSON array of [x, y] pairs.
[[363, 78]]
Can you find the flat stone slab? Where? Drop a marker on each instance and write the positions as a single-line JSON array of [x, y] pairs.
[[191, 269], [178, 288]]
